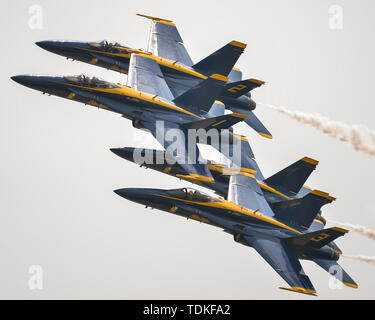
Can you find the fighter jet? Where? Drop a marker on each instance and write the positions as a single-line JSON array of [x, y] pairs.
[[147, 100], [282, 189], [167, 49], [286, 184], [282, 238]]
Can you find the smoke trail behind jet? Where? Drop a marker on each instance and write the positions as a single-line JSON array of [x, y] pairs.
[[369, 233], [367, 259], [360, 137]]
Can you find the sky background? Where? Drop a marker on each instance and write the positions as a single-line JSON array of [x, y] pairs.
[[57, 208]]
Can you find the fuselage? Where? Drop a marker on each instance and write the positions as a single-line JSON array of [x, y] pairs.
[[130, 103], [116, 57]]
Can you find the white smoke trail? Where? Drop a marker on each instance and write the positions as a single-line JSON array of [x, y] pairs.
[[360, 137], [367, 259], [367, 232]]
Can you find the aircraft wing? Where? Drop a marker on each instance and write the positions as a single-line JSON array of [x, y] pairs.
[[165, 41], [145, 75], [285, 262], [175, 139], [245, 191]]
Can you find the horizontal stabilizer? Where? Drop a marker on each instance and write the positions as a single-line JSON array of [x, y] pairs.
[[238, 88], [316, 239], [252, 121], [219, 123], [337, 271], [221, 61], [304, 211], [203, 95], [293, 177]]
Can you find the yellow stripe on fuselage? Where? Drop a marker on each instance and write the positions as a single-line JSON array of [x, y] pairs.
[[226, 205], [161, 61], [129, 92], [268, 188]]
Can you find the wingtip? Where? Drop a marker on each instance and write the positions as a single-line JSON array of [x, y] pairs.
[[323, 194], [310, 160], [238, 44], [351, 285], [340, 229], [161, 20], [265, 135], [300, 290], [260, 82]]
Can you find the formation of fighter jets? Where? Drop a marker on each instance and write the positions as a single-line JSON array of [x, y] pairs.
[[170, 97]]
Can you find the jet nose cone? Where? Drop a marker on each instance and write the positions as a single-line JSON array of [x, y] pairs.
[[25, 80], [126, 153], [48, 45], [54, 46], [128, 193], [42, 83]]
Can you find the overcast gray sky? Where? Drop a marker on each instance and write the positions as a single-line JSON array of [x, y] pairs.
[[57, 173]]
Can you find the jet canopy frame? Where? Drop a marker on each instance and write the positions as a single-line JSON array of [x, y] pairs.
[[191, 195], [92, 82]]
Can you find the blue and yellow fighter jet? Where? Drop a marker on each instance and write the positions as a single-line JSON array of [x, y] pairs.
[[166, 48], [147, 99], [281, 238], [284, 185], [281, 190]]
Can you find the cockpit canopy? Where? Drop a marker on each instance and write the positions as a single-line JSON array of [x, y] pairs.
[[108, 46], [92, 82], [191, 195]]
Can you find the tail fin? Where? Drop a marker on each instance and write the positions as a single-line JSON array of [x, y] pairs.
[[217, 109], [316, 239], [165, 41], [220, 123], [203, 95], [221, 61], [304, 211], [238, 88], [337, 271], [235, 75], [294, 176]]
